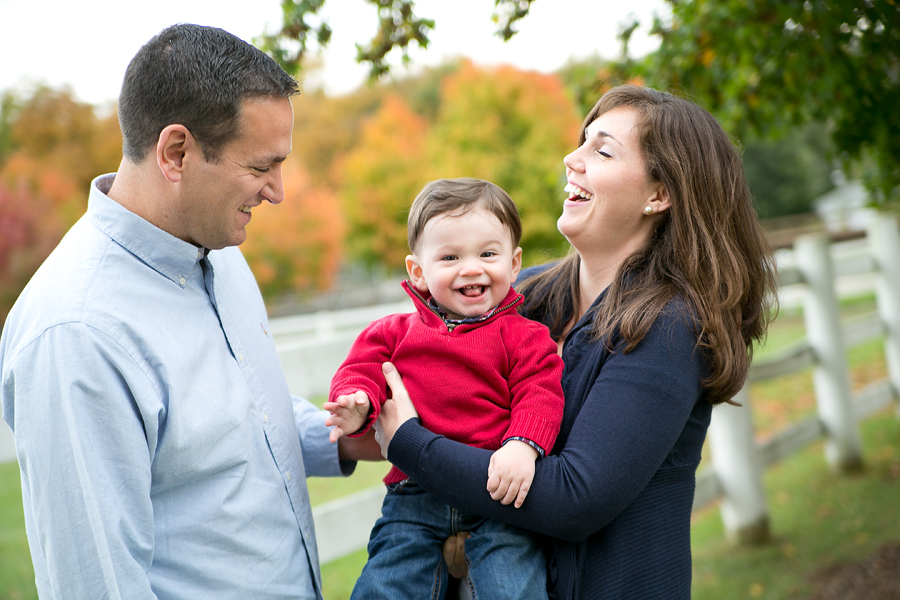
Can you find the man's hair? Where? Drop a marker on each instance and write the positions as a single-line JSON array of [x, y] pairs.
[[197, 77], [457, 197]]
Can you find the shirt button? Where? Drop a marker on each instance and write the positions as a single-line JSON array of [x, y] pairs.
[[240, 357], [182, 280], [265, 418], [288, 475]]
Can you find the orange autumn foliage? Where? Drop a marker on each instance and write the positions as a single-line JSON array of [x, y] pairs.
[[513, 128], [380, 178], [296, 245]]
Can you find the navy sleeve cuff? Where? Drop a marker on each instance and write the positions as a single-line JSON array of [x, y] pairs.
[[408, 444]]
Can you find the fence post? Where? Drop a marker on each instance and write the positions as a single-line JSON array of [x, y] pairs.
[[737, 465], [831, 378], [884, 241]]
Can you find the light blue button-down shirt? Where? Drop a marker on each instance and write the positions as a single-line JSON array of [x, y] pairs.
[[157, 439]]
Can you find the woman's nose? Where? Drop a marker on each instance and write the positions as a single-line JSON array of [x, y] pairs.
[[573, 160]]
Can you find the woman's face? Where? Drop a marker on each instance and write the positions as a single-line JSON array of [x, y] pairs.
[[609, 189]]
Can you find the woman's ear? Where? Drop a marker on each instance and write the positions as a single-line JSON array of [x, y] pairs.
[[660, 200], [171, 148], [416, 276]]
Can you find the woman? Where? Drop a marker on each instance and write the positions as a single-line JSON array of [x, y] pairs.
[[655, 313]]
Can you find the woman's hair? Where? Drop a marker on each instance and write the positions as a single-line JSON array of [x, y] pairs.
[[708, 247], [457, 197]]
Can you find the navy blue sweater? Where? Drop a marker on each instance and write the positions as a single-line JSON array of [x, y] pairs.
[[614, 497]]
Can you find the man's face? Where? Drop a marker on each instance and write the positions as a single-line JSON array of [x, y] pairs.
[[218, 197]]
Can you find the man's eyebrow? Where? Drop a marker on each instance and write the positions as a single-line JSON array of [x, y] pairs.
[[270, 160]]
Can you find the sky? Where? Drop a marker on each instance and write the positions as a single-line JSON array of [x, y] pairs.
[[87, 44]]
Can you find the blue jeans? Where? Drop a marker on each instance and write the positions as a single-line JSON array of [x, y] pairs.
[[405, 546]]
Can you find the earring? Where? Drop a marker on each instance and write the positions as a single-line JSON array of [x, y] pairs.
[[648, 210]]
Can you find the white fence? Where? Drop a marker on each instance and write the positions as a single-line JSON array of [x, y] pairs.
[[312, 346]]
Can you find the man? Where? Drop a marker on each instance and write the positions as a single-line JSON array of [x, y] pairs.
[[161, 453]]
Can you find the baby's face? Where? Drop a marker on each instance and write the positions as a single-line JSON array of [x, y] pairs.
[[467, 262]]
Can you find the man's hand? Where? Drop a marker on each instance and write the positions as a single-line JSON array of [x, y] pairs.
[[511, 472]]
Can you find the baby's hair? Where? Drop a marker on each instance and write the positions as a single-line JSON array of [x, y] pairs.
[[457, 197]]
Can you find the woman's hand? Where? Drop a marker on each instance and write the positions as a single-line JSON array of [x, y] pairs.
[[396, 410], [359, 448]]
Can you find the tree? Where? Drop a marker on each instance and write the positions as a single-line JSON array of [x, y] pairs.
[[766, 66], [296, 245], [326, 128], [398, 27], [788, 174], [56, 146], [28, 233], [513, 128], [381, 176]]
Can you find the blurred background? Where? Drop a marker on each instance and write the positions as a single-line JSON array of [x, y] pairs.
[[807, 89]]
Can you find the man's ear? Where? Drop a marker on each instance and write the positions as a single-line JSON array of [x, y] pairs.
[[416, 276], [174, 143], [516, 264]]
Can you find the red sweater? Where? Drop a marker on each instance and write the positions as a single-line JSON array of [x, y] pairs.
[[479, 383]]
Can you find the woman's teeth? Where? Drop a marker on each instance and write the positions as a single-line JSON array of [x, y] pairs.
[[577, 191]]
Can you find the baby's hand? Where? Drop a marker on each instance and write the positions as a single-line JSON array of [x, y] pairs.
[[511, 472], [348, 414]]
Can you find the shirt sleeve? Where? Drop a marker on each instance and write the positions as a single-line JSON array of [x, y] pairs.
[[534, 383], [85, 451], [320, 456], [629, 422], [361, 371]]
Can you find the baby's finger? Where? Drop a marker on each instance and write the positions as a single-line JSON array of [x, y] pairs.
[[510, 496], [520, 497], [501, 492], [493, 483], [335, 434]]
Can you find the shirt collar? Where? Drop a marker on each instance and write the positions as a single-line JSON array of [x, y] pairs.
[[163, 252]]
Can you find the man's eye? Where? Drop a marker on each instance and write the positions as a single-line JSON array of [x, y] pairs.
[[261, 170]]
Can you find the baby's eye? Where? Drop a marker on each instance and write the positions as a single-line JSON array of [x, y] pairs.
[[448, 257], [488, 254]]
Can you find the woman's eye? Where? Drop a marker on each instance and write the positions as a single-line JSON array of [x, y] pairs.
[[604, 153]]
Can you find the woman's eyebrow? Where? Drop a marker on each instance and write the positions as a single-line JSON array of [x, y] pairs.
[[603, 134]]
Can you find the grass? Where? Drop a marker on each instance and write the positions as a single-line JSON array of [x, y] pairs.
[[817, 517], [16, 572]]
